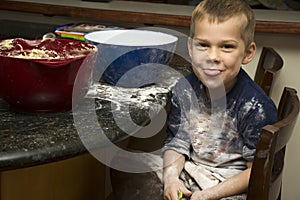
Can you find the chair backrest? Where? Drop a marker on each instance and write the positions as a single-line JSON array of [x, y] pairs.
[[266, 173], [269, 63]]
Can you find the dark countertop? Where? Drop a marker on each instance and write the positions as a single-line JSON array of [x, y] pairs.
[[33, 139], [27, 140]]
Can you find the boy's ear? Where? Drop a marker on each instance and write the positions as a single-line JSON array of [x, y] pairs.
[[249, 53]]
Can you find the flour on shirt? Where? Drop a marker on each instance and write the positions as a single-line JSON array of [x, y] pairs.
[[211, 135], [254, 104]]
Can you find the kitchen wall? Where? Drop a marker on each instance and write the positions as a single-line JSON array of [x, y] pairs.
[[288, 46]]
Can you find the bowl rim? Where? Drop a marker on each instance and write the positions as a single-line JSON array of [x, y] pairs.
[[104, 37]]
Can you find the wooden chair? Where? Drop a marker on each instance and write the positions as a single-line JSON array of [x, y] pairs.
[[269, 63], [266, 173]]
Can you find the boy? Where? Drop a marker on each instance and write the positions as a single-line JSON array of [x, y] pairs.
[[216, 114], [211, 139]]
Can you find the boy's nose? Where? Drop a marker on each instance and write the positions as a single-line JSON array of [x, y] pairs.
[[214, 55]]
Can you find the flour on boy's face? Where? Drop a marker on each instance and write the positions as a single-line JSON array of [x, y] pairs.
[[217, 51]]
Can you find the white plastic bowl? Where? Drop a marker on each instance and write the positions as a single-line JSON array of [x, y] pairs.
[[131, 58]]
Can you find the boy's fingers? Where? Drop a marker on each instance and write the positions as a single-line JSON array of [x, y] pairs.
[[184, 193]]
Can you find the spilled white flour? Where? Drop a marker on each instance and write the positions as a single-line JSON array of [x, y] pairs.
[[141, 97]]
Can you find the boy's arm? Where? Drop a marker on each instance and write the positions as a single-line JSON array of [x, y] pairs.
[[234, 185], [173, 165]]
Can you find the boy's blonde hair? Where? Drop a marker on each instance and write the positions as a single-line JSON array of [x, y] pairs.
[[217, 11]]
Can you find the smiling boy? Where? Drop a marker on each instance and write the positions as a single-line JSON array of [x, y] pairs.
[[213, 128], [216, 115]]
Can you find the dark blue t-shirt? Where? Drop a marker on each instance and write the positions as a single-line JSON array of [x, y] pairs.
[[219, 133]]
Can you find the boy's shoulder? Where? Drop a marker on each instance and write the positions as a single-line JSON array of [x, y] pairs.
[[246, 92], [245, 87]]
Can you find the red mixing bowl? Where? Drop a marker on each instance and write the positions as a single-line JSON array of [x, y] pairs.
[[37, 76]]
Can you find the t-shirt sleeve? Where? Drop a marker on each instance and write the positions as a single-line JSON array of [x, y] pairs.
[[177, 137]]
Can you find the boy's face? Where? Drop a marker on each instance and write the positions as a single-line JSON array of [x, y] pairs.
[[217, 52]]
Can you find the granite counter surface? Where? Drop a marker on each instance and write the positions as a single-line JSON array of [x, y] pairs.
[[32, 139]]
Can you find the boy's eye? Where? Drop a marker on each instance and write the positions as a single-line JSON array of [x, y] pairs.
[[201, 45], [228, 46]]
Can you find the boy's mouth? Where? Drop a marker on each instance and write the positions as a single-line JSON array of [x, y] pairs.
[[212, 72]]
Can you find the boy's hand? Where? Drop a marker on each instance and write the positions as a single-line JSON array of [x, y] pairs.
[[172, 189]]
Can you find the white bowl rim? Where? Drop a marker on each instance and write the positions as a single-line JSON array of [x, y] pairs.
[[138, 37]]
